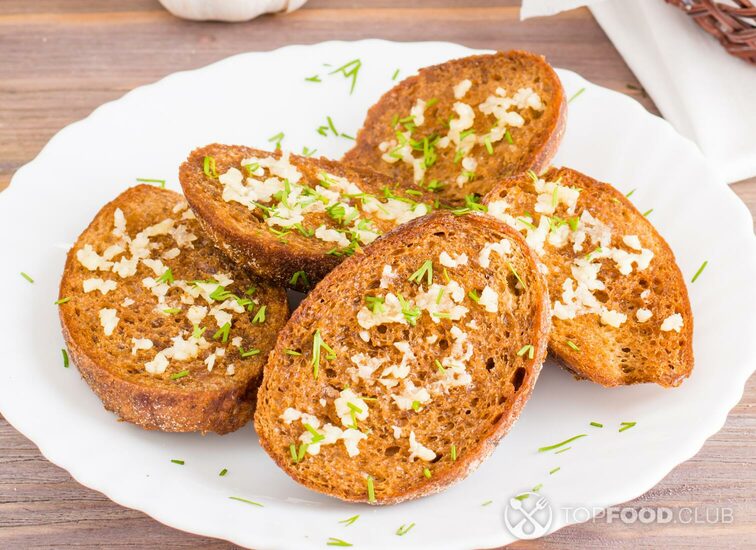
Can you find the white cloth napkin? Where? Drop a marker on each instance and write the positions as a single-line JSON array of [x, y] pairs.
[[708, 95]]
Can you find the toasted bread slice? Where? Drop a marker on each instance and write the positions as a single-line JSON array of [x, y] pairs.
[[309, 214], [459, 127], [402, 369], [167, 332], [621, 313]]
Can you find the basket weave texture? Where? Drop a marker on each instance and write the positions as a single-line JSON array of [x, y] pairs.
[[732, 22]]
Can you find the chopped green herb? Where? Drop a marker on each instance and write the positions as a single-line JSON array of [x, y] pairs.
[[323, 130], [396, 74], [700, 270], [630, 193], [332, 541], [166, 277], [317, 344], [220, 294], [208, 166], [62, 300], [529, 349], [508, 137], [523, 496], [425, 270], [647, 212], [350, 70], [416, 406], [561, 444], [532, 175], [440, 295], [177, 461], [375, 303], [314, 78], [555, 470], [147, 180], [597, 424], [302, 451], [331, 126], [454, 452], [65, 357], [580, 91], [439, 366], [536, 488], [307, 152], [486, 503], [252, 502], [223, 472], [487, 143], [172, 310], [249, 353], [260, 315], [198, 331], [370, 489], [626, 425], [573, 345], [404, 529], [427, 473], [435, 185], [277, 139], [473, 295], [563, 450], [346, 136], [349, 521], [178, 375], [222, 333], [27, 277], [526, 223], [555, 196], [297, 276], [514, 272], [292, 352], [410, 313]]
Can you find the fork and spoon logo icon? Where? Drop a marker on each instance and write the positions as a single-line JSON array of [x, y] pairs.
[[528, 518]]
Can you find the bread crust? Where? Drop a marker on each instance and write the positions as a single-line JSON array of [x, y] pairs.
[[245, 238], [675, 360], [207, 403], [433, 82], [374, 256]]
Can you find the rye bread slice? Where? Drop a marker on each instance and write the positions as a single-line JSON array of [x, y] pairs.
[[636, 277], [437, 395], [188, 391], [392, 139], [332, 193]]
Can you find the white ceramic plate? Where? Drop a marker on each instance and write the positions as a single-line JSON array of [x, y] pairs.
[[249, 98]]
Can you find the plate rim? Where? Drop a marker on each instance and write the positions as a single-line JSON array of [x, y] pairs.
[[681, 454]]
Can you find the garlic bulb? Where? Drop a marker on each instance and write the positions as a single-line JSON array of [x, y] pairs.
[[228, 10]]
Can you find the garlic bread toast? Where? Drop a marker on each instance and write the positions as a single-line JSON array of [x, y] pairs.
[[459, 127], [290, 219], [621, 313], [167, 332], [402, 369]]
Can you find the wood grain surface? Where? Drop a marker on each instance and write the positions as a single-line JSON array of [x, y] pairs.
[[61, 59]]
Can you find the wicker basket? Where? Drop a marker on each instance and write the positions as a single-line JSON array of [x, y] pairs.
[[733, 23]]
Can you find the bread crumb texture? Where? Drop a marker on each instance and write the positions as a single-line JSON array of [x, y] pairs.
[[392, 380], [620, 306], [166, 330]]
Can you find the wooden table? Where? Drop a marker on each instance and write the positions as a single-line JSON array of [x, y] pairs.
[[60, 59]]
